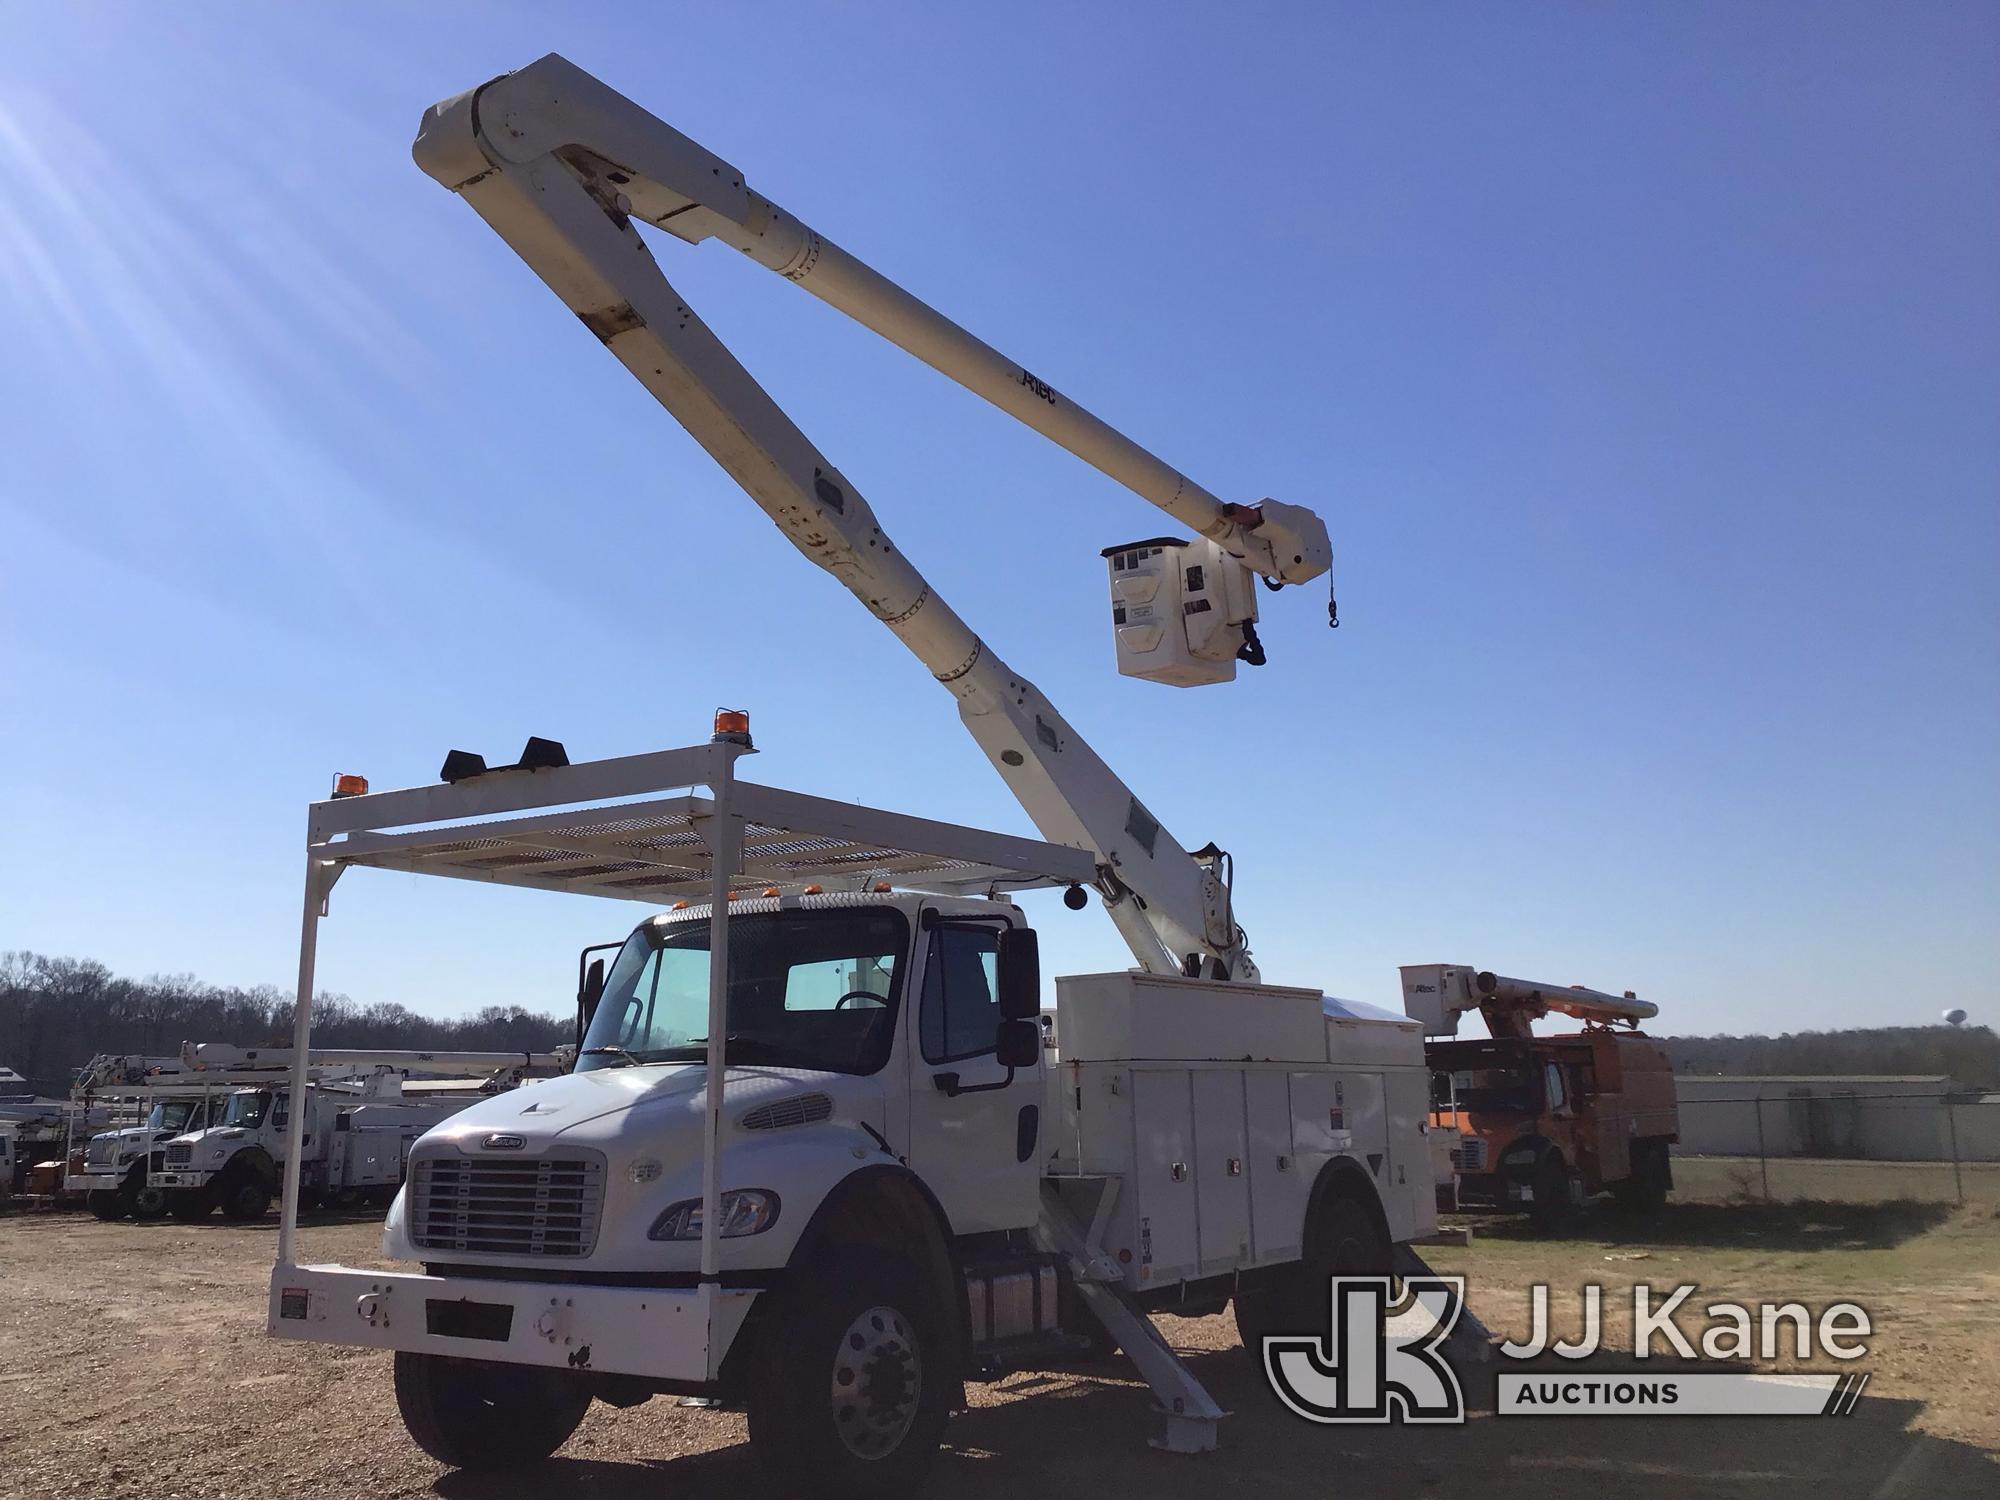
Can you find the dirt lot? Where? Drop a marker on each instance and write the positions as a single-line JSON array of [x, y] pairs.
[[133, 1363]]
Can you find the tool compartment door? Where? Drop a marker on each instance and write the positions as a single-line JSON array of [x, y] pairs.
[[1277, 1190], [1164, 1196], [1222, 1188]]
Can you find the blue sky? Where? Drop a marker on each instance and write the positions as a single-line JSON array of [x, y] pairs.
[[1642, 359]]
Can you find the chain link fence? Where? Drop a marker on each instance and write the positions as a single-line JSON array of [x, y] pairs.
[[1838, 1146]]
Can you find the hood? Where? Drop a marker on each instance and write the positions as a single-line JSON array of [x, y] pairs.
[[553, 1107]]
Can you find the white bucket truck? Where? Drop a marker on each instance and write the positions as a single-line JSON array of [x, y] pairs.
[[121, 1167], [815, 1158]]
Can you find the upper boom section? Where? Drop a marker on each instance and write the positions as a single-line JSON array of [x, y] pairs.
[[1438, 994], [657, 175]]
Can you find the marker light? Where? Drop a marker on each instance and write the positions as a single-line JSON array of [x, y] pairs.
[[881, 887], [770, 890], [680, 905], [348, 785], [813, 890]]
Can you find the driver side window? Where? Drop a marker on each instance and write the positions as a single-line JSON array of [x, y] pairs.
[[960, 1013]]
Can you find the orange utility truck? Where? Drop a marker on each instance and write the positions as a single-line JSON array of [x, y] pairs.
[[1541, 1123]]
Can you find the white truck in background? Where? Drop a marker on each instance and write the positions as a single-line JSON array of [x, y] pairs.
[[815, 1158], [363, 1111], [120, 1165]]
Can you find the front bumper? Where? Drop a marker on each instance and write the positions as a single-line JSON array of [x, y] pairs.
[[182, 1179], [109, 1180], [665, 1333]]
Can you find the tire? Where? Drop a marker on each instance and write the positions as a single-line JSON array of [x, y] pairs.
[[148, 1202], [245, 1198], [1552, 1209], [109, 1204], [190, 1205], [1344, 1238], [1645, 1191], [855, 1379], [476, 1415]]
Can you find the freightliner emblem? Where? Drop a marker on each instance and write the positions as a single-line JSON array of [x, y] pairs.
[[503, 1143]]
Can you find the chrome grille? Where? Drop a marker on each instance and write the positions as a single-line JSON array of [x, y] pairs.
[[1469, 1155], [507, 1205], [101, 1152], [800, 1109], [179, 1156]]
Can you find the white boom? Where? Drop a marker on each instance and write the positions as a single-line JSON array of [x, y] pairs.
[[202, 1057], [559, 165], [1438, 994]]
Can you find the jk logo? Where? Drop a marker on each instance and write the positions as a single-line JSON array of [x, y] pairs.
[[1376, 1361]]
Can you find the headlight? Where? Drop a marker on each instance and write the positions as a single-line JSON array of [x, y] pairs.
[[744, 1211]]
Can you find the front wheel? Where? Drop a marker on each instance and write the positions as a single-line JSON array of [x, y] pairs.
[[149, 1203], [473, 1414], [856, 1380], [107, 1203]]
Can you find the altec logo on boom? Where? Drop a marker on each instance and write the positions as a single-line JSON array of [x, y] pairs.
[[1381, 1360]]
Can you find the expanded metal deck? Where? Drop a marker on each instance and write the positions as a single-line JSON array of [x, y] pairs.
[[658, 849]]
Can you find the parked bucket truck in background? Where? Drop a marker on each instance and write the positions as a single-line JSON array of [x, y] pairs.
[[1541, 1123], [363, 1111], [120, 1166], [814, 1159]]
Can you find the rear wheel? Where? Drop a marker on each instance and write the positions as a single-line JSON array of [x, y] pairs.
[[473, 1414], [1555, 1194], [1645, 1191], [1343, 1238], [856, 1380]]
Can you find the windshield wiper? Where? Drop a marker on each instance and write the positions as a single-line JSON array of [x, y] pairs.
[[631, 1059]]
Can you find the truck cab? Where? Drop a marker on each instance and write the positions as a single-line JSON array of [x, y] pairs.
[[864, 1030]]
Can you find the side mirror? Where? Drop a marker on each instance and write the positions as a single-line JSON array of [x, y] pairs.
[[588, 996], [1019, 1043], [1019, 978]]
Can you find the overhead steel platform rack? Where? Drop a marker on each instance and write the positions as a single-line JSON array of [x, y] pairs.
[[604, 828]]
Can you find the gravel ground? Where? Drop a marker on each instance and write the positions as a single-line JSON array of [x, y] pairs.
[[133, 1363]]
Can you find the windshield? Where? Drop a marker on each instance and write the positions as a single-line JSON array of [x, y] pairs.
[[807, 989], [246, 1110], [1500, 1090], [177, 1115]]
